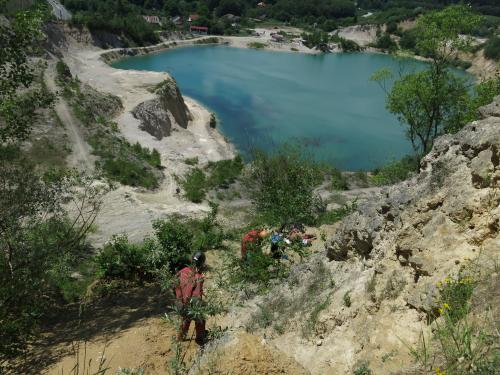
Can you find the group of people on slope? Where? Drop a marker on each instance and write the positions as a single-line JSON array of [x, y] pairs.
[[279, 239], [190, 279]]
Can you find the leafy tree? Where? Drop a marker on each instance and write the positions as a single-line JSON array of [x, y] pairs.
[[431, 102], [39, 241], [282, 186], [492, 48], [18, 39]]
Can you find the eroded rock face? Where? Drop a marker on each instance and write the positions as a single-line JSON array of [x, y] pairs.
[[158, 115], [371, 297], [154, 118]]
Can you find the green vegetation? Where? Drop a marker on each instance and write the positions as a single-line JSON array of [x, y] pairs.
[[492, 48], [40, 243], [395, 171], [338, 180], [176, 239], [363, 369], [307, 302], [282, 186], [257, 45], [194, 185], [219, 175], [385, 43], [191, 161], [431, 102], [462, 342], [119, 17], [347, 299], [119, 160]]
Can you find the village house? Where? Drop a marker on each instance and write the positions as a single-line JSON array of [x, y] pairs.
[[193, 17], [152, 19], [201, 30]]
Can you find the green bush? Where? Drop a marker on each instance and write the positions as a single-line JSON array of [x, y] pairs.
[[492, 48], [220, 175], [363, 369], [124, 260], [394, 171], [339, 181], [191, 161], [175, 241], [224, 172], [330, 217], [257, 45], [385, 43], [282, 186], [63, 72], [195, 185]]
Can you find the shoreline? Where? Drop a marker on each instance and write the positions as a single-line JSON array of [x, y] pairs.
[[132, 210], [480, 67]]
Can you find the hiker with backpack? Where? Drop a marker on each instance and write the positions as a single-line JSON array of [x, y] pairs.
[[188, 291]]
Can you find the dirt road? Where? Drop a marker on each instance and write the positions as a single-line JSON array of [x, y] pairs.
[[80, 157]]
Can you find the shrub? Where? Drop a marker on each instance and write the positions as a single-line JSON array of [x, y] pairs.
[[394, 171], [347, 299], [385, 43], [63, 72], [338, 181], [175, 239], [492, 48], [194, 185], [363, 369], [213, 121], [282, 185], [124, 260], [191, 161], [220, 175], [330, 217], [257, 45], [224, 172]]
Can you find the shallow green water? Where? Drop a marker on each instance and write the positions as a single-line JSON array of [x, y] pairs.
[[264, 98]]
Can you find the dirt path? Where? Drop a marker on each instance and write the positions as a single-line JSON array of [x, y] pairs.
[[80, 156]]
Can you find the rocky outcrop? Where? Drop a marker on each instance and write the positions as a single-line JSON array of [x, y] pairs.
[[452, 199], [158, 115], [100, 104], [374, 293]]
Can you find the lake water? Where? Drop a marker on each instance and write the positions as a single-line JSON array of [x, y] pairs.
[[264, 98]]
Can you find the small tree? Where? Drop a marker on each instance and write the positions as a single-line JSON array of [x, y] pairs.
[[432, 102], [282, 185]]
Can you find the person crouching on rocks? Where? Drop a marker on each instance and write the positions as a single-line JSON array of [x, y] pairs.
[[189, 290], [252, 239]]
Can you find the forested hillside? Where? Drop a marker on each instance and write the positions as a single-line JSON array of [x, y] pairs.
[[124, 16]]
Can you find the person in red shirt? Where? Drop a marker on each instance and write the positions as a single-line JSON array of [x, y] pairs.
[[255, 236], [188, 289]]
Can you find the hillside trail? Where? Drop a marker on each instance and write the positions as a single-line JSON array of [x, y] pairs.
[[80, 157]]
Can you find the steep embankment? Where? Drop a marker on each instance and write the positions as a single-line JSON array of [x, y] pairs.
[[160, 108], [369, 296]]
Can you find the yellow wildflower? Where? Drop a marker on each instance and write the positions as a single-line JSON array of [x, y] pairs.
[[447, 280], [439, 372], [446, 306]]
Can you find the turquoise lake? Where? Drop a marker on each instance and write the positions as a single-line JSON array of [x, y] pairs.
[[264, 98]]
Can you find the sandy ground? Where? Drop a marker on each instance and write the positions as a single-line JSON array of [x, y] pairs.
[[80, 156], [129, 210], [266, 38]]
